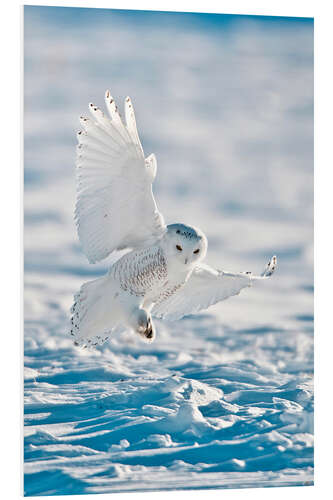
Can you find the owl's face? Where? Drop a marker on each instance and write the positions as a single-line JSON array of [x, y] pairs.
[[186, 244]]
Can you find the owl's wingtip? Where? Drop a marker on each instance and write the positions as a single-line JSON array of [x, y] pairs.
[[270, 268]]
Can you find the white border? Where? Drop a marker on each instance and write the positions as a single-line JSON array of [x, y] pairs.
[[11, 240], [289, 8]]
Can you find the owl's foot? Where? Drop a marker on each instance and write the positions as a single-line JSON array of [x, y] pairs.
[[140, 322], [146, 328]]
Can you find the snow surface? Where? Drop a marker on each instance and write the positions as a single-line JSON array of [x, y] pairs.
[[222, 399]]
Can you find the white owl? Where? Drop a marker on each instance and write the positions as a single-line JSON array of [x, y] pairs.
[[163, 273]]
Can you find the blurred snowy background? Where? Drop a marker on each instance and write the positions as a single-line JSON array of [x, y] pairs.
[[222, 399]]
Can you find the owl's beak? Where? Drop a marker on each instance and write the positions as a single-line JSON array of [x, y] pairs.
[[186, 261]]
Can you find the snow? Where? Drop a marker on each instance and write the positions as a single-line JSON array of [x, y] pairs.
[[223, 399]]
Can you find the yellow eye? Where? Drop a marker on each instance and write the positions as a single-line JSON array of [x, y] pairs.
[[197, 250], [179, 248]]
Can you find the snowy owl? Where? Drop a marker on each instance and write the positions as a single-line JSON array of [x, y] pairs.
[[162, 274]]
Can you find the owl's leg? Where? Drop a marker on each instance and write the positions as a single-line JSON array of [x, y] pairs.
[[141, 323]]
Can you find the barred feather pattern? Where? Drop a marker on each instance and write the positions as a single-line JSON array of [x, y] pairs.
[[79, 310], [141, 271]]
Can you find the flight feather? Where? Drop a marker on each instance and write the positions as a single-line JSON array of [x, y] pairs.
[[115, 207]]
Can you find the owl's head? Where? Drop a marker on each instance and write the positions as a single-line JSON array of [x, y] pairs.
[[185, 243]]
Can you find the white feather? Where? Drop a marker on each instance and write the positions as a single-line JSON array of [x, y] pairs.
[[115, 206], [205, 287]]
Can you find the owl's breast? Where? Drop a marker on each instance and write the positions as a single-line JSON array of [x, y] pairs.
[[176, 278], [141, 272]]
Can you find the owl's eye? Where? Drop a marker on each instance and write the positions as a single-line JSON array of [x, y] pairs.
[[197, 250], [179, 248]]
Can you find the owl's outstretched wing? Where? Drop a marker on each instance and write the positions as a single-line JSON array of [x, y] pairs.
[[115, 207], [205, 287]]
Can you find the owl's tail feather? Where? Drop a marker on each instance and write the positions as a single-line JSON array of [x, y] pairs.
[[91, 320]]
